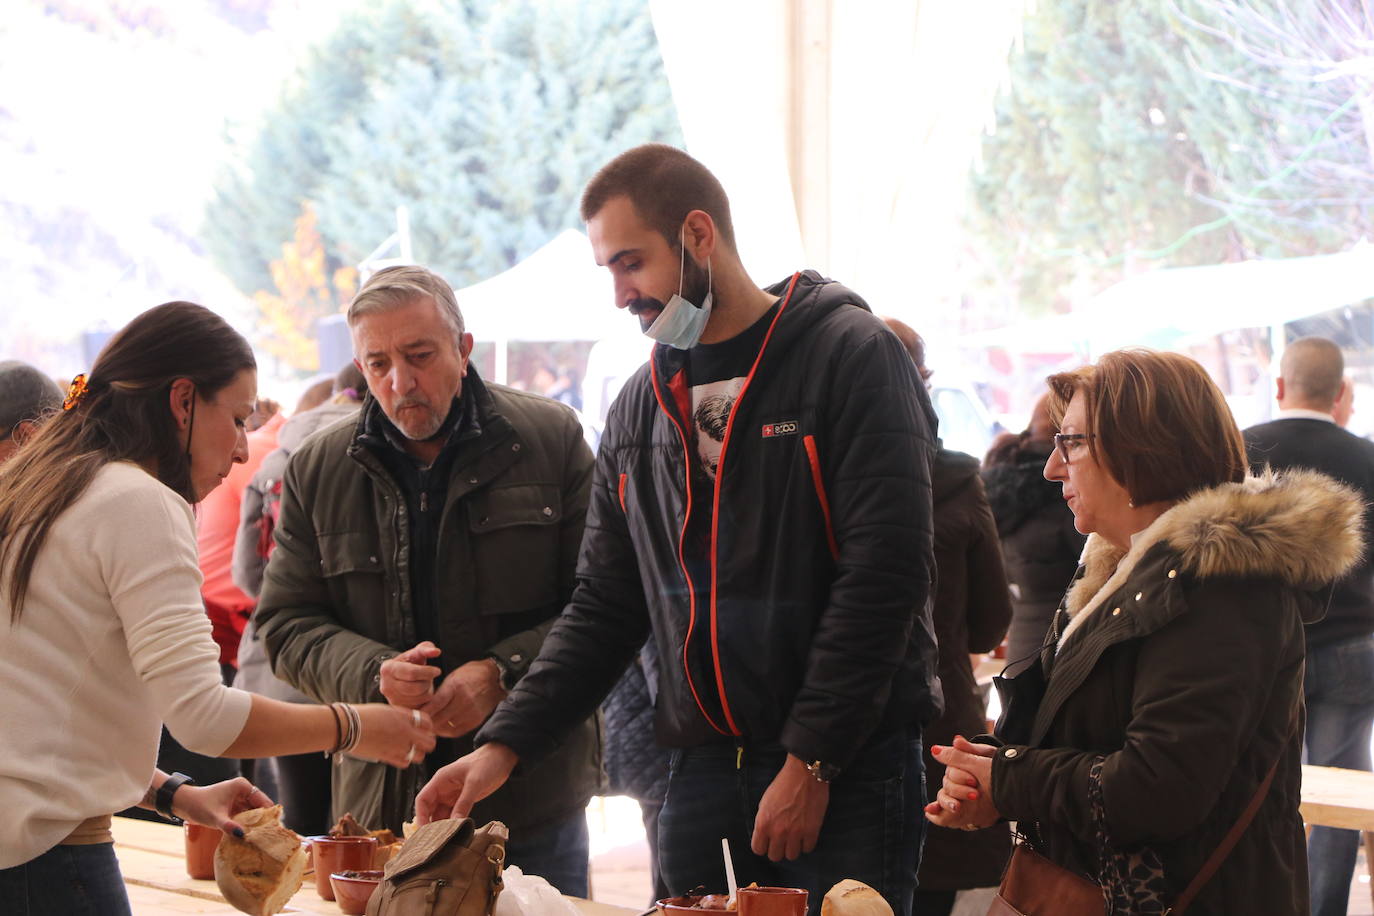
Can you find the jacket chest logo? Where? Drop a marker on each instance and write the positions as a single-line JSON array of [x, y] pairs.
[[781, 428]]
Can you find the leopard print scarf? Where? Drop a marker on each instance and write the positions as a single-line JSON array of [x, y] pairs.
[[1132, 878]]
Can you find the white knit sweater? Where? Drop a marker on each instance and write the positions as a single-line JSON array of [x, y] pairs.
[[113, 642]]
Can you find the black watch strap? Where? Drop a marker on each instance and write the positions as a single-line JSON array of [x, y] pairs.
[[507, 675], [162, 801], [824, 772]]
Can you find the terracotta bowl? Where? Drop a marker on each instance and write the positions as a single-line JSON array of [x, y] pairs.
[[772, 901], [339, 854], [352, 889]]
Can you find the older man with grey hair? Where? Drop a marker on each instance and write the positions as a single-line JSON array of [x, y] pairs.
[[25, 396], [422, 552]]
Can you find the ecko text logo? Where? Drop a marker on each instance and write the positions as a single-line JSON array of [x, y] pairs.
[[783, 428]]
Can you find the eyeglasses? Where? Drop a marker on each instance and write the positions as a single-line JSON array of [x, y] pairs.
[[1069, 444]]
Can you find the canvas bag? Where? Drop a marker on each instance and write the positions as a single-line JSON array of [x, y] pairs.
[[446, 868]]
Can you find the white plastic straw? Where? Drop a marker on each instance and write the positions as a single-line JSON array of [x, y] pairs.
[[729, 869]]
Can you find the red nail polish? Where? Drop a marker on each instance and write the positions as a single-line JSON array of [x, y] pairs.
[[935, 750], [973, 796]]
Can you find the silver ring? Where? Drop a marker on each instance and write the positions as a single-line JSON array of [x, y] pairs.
[[415, 718]]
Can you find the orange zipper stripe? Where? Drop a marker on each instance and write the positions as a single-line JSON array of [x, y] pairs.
[[623, 478], [715, 505], [815, 461], [681, 540]]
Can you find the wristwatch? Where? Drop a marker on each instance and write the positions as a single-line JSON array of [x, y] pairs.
[[824, 772], [505, 673], [162, 801]]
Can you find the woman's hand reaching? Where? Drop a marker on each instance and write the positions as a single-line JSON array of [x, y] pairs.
[[215, 805]]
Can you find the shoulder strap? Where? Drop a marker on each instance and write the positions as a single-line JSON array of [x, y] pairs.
[[1228, 842]]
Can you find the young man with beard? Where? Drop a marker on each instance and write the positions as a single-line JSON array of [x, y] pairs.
[[783, 571]]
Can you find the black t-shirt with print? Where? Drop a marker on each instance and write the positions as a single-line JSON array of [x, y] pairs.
[[716, 373]]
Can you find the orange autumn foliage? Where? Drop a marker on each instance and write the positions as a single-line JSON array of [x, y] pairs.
[[306, 291]]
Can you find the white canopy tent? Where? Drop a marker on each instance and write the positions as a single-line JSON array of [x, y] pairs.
[[1165, 308], [557, 293]]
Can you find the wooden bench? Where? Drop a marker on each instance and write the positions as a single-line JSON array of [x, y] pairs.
[[1333, 797]]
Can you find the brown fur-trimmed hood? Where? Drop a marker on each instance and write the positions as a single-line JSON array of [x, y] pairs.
[[1299, 526]]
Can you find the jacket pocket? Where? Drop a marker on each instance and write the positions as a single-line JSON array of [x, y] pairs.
[[344, 552], [515, 533], [353, 570]]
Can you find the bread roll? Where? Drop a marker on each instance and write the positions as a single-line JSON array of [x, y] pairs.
[[385, 854], [260, 873], [854, 898]]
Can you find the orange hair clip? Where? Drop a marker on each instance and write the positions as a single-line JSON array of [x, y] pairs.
[[75, 392]]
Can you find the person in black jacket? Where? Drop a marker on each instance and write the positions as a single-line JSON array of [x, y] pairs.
[[1040, 544], [971, 610], [780, 563], [1339, 680]]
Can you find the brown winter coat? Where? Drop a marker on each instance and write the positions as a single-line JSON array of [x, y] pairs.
[[971, 613], [1181, 663]]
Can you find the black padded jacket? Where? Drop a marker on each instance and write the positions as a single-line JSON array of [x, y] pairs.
[[810, 624]]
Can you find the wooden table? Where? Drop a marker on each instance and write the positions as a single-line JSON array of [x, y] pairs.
[[152, 857], [1333, 797]]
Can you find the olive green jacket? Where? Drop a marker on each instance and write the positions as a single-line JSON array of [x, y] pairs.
[[336, 597]]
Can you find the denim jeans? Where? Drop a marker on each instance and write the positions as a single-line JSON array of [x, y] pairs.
[[1339, 686], [557, 852], [66, 881], [872, 831]]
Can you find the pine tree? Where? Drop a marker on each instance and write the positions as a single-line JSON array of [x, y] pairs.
[[1164, 133], [484, 118]]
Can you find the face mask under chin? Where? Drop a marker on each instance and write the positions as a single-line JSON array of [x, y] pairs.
[[680, 324]]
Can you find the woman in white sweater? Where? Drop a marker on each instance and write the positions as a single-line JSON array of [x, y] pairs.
[[103, 636]]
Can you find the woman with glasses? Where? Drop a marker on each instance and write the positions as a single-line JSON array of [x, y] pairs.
[[1167, 698], [103, 636]]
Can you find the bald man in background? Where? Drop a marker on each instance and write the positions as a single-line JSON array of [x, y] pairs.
[[1339, 684]]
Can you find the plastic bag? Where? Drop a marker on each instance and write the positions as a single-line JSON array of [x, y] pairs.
[[530, 895]]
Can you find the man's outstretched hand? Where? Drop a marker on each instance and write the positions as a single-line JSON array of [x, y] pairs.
[[454, 789]]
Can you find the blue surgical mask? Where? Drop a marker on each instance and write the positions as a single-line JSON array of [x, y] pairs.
[[681, 323]]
